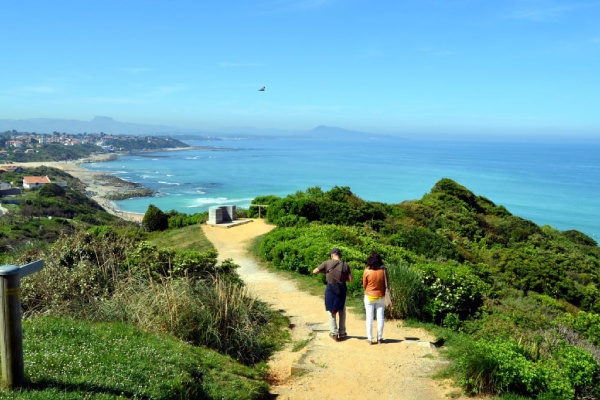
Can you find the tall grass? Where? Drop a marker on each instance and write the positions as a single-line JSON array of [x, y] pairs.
[[406, 284], [217, 314], [99, 278]]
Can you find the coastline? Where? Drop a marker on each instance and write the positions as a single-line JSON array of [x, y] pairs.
[[94, 182]]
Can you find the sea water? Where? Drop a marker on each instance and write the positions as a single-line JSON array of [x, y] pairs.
[[554, 183]]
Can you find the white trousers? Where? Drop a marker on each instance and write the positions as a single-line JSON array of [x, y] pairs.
[[374, 307]]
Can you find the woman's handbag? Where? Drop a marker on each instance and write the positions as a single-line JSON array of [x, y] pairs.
[[389, 301]]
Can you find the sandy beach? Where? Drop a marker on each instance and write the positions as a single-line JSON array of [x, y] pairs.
[[94, 181]]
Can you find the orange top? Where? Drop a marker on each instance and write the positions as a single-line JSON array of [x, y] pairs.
[[374, 282]]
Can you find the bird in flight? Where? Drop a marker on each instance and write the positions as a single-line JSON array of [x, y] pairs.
[[262, 89]]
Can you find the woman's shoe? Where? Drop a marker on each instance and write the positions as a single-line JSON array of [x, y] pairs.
[[369, 341]]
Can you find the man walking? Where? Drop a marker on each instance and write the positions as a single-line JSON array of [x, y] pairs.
[[337, 273]]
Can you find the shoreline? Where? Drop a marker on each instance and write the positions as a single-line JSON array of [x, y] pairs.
[[93, 182]]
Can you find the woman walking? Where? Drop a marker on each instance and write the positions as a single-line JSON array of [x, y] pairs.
[[374, 282]]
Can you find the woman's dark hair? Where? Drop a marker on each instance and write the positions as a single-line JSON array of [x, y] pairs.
[[374, 261]]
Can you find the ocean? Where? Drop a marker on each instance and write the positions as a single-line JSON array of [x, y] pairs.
[[549, 183]]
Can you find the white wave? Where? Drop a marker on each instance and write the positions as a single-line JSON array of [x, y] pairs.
[[169, 183], [219, 201]]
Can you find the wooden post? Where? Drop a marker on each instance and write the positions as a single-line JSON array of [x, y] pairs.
[[11, 331], [11, 334], [260, 206]]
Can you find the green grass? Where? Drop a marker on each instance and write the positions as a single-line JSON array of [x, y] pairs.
[[67, 359], [300, 344], [187, 238]]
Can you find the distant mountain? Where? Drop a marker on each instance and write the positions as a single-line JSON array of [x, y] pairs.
[[110, 126], [96, 125], [334, 133]]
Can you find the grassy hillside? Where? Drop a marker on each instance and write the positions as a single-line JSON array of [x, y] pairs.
[[520, 301], [119, 312], [515, 305]]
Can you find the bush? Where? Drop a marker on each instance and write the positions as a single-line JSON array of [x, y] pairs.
[[51, 190], [408, 291], [429, 244], [503, 366], [79, 270], [146, 259], [587, 324], [497, 367], [452, 289], [154, 219]]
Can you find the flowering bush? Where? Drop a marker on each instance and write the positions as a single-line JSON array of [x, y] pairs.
[[452, 290]]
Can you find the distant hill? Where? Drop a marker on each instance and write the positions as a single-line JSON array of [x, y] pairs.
[[96, 125], [334, 133], [108, 125]]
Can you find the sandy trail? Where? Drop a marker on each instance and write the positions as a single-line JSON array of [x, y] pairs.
[[351, 369]]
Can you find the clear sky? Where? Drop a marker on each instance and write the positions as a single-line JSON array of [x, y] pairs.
[[484, 67]]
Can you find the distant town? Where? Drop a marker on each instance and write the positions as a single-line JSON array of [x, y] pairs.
[[25, 146]]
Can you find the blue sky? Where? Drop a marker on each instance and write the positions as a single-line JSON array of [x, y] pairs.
[[416, 67]]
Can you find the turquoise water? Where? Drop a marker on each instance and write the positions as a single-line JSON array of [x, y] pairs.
[[552, 184]]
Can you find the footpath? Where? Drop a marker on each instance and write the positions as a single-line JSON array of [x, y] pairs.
[[400, 369]]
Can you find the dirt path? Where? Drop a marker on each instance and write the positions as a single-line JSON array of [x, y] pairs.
[[351, 369]]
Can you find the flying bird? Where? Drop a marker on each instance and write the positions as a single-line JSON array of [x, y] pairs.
[[262, 89]]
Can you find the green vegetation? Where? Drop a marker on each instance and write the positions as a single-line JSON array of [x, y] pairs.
[[120, 312], [522, 302], [39, 216], [27, 147], [514, 305], [142, 143], [68, 359]]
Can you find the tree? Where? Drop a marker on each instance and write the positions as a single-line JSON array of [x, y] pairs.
[[155, 219]]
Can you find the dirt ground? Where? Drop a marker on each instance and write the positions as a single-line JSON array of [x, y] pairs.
[[399, 369]]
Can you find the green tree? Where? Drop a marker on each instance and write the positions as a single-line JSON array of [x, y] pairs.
[[155, 219]]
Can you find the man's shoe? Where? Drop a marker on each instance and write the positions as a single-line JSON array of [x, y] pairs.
[[342, 336], [334, 337]]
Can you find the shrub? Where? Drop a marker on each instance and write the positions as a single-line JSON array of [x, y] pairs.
[[180, 220], [147, 259], [503, 366], [496, 367], [51, 190], [452, 289], [79, 270], [587, 324], [406, 284], [577, 368], [155, 219], [424, 242]]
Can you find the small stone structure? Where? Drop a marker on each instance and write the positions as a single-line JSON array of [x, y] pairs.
[[221, 214]]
